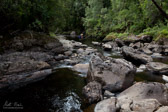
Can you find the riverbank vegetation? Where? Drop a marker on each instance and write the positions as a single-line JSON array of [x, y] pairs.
[[98, 18]]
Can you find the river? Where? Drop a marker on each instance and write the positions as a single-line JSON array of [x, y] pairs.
[[61, 91]]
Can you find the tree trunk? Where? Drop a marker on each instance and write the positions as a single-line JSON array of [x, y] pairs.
[[160, 9]]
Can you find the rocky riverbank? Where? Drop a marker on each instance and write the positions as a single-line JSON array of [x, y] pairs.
[[111, 81], [31, 56]]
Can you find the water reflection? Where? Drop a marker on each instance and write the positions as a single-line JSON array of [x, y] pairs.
[[60, 92]]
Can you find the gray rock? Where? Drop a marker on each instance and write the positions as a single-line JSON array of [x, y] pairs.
[[113, 74], [96, 43], [162, 109], [157, 68], [108, 94], [108, 105], [22, 66], [93, 92], [68, 53], [157, 55], [83, 68], [141, 91], [107, 47], [135, 56], [15, 81], [146, 105]]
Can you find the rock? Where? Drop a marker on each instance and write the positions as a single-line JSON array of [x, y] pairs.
[[80, 50], [162, 109], [141, 68], [146, 38], [157, 68], [73, 34], [147, 51], [96, 43], [108, 94], [137, 45], [119, 42], [68, 53], [135, 56], [113, 74], [83, 68], [157, 55], [93, 92], [108, 105], [15, 81], [22, 56], [7, 68], [165, 78], [71, 62], [158, 49], [146, 105], [107, 47], [141, 91]]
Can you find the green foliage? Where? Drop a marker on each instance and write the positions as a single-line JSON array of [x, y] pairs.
[[42, 15], [122, 16], [158, 31], [113, 36]]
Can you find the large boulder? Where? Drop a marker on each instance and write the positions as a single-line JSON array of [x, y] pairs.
[[135, 56], [163, 109], [108, 105], [142, 91], [93, 92], [113, 74], [157, 68]]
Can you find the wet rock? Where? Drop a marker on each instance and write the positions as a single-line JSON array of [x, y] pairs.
[[82, 68], [113, 74], [135, 56], [141, 91], [93, 92], [157, 55], [71, 61], [96, 43], [141, 68], [157, 68], [108, 94], [108, 105], [107, 47], [165, 78], [162, 109]]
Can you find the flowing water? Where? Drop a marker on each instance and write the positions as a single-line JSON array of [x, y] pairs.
[[61, 91]]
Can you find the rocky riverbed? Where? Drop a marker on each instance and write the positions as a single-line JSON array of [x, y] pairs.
[[113, 84]]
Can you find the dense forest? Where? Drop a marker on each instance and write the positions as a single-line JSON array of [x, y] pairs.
[[97, 18]]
